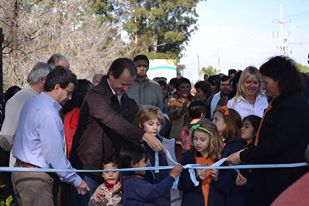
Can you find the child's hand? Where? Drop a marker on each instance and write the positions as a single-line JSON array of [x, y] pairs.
[[117, 187], [201, 174], [176, 170], [100, 197], [240, 180], [214, 174]]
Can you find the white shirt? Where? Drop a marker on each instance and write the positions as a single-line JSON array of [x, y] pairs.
[[244, 108], [12, 112]]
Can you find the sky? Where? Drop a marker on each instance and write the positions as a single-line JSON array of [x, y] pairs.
[[240, 33]]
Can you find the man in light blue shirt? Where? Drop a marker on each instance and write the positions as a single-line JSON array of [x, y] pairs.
[[39, 142]]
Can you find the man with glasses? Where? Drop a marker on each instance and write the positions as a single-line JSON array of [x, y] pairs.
[[145, 91], [39, 142]]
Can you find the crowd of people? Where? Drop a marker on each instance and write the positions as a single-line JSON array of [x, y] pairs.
[[125, 120]]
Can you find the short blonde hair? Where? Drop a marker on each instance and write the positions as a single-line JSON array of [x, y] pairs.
[[148, 112]]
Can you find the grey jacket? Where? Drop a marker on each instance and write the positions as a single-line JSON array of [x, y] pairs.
[[146, 93]]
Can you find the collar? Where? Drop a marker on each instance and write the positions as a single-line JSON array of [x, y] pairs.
[[51, 101], [110, 87], [108, 186]]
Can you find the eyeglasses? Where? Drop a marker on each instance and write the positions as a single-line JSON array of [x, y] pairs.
[[69, 93]]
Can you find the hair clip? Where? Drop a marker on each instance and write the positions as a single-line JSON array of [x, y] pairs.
[[225, 110], [198, 126]]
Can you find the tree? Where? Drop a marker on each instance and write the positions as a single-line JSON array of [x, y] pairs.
[[209, 70], [36, 29], [159, 28]]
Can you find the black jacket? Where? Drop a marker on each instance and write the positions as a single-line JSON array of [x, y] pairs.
[[283, 138]]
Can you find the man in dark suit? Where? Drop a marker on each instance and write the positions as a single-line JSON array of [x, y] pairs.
[[106, 123]]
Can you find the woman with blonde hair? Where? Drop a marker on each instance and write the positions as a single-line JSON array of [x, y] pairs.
[[249, 98]]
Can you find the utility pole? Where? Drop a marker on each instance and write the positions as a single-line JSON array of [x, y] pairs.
[[198, 66], [282, 36]]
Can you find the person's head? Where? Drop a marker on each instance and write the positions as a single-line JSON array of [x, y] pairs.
[[96, 79], [214, 82], [78, 95], [231, 73], [250, 128], [110, 177], [142, 65], [60, 83], [58, 60], [225, 85], [150, 118], [280, 77], [163, 86], [250, 83], [228, 122], [205, 77], [121, 75], [202, 90], [206, 139], [197, 109], [172, 84], [133, 156], [183, 87], [10, 92], [38, 75]]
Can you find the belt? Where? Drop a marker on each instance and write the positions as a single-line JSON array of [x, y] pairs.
[[24, 164]]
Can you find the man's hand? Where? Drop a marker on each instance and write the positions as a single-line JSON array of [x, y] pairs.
[[153, 142], [234, 158], [82, 188]]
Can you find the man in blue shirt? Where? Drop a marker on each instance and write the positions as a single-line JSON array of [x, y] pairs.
[[39, 142]]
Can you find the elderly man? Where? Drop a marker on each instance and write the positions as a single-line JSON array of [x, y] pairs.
[[39, 142], [58, 60], [106, 123], [145, 91]]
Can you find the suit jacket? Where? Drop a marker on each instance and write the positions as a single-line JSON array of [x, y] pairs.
[[104, 126]]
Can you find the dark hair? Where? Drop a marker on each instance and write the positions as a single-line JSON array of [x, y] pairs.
[[141, 57], [180, 81], [204, 86], [254, 120], [10, 92], [78, 95], [284, 71], [119, 65], [172, 82], [231, 71], [196, 109], [60, 76], [54, 59], [215, 81], [131, 154], [224, 78]]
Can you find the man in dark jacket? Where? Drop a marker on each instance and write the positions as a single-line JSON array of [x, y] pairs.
[[106, 123]]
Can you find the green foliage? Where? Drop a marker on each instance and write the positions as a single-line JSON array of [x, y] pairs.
[[7, 202], [303, 68], [210, 70], [153, 26]]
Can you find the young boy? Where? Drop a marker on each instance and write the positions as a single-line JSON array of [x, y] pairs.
[[108, 193]]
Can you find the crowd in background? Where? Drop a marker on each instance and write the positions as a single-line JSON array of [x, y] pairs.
[[125, 120]]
